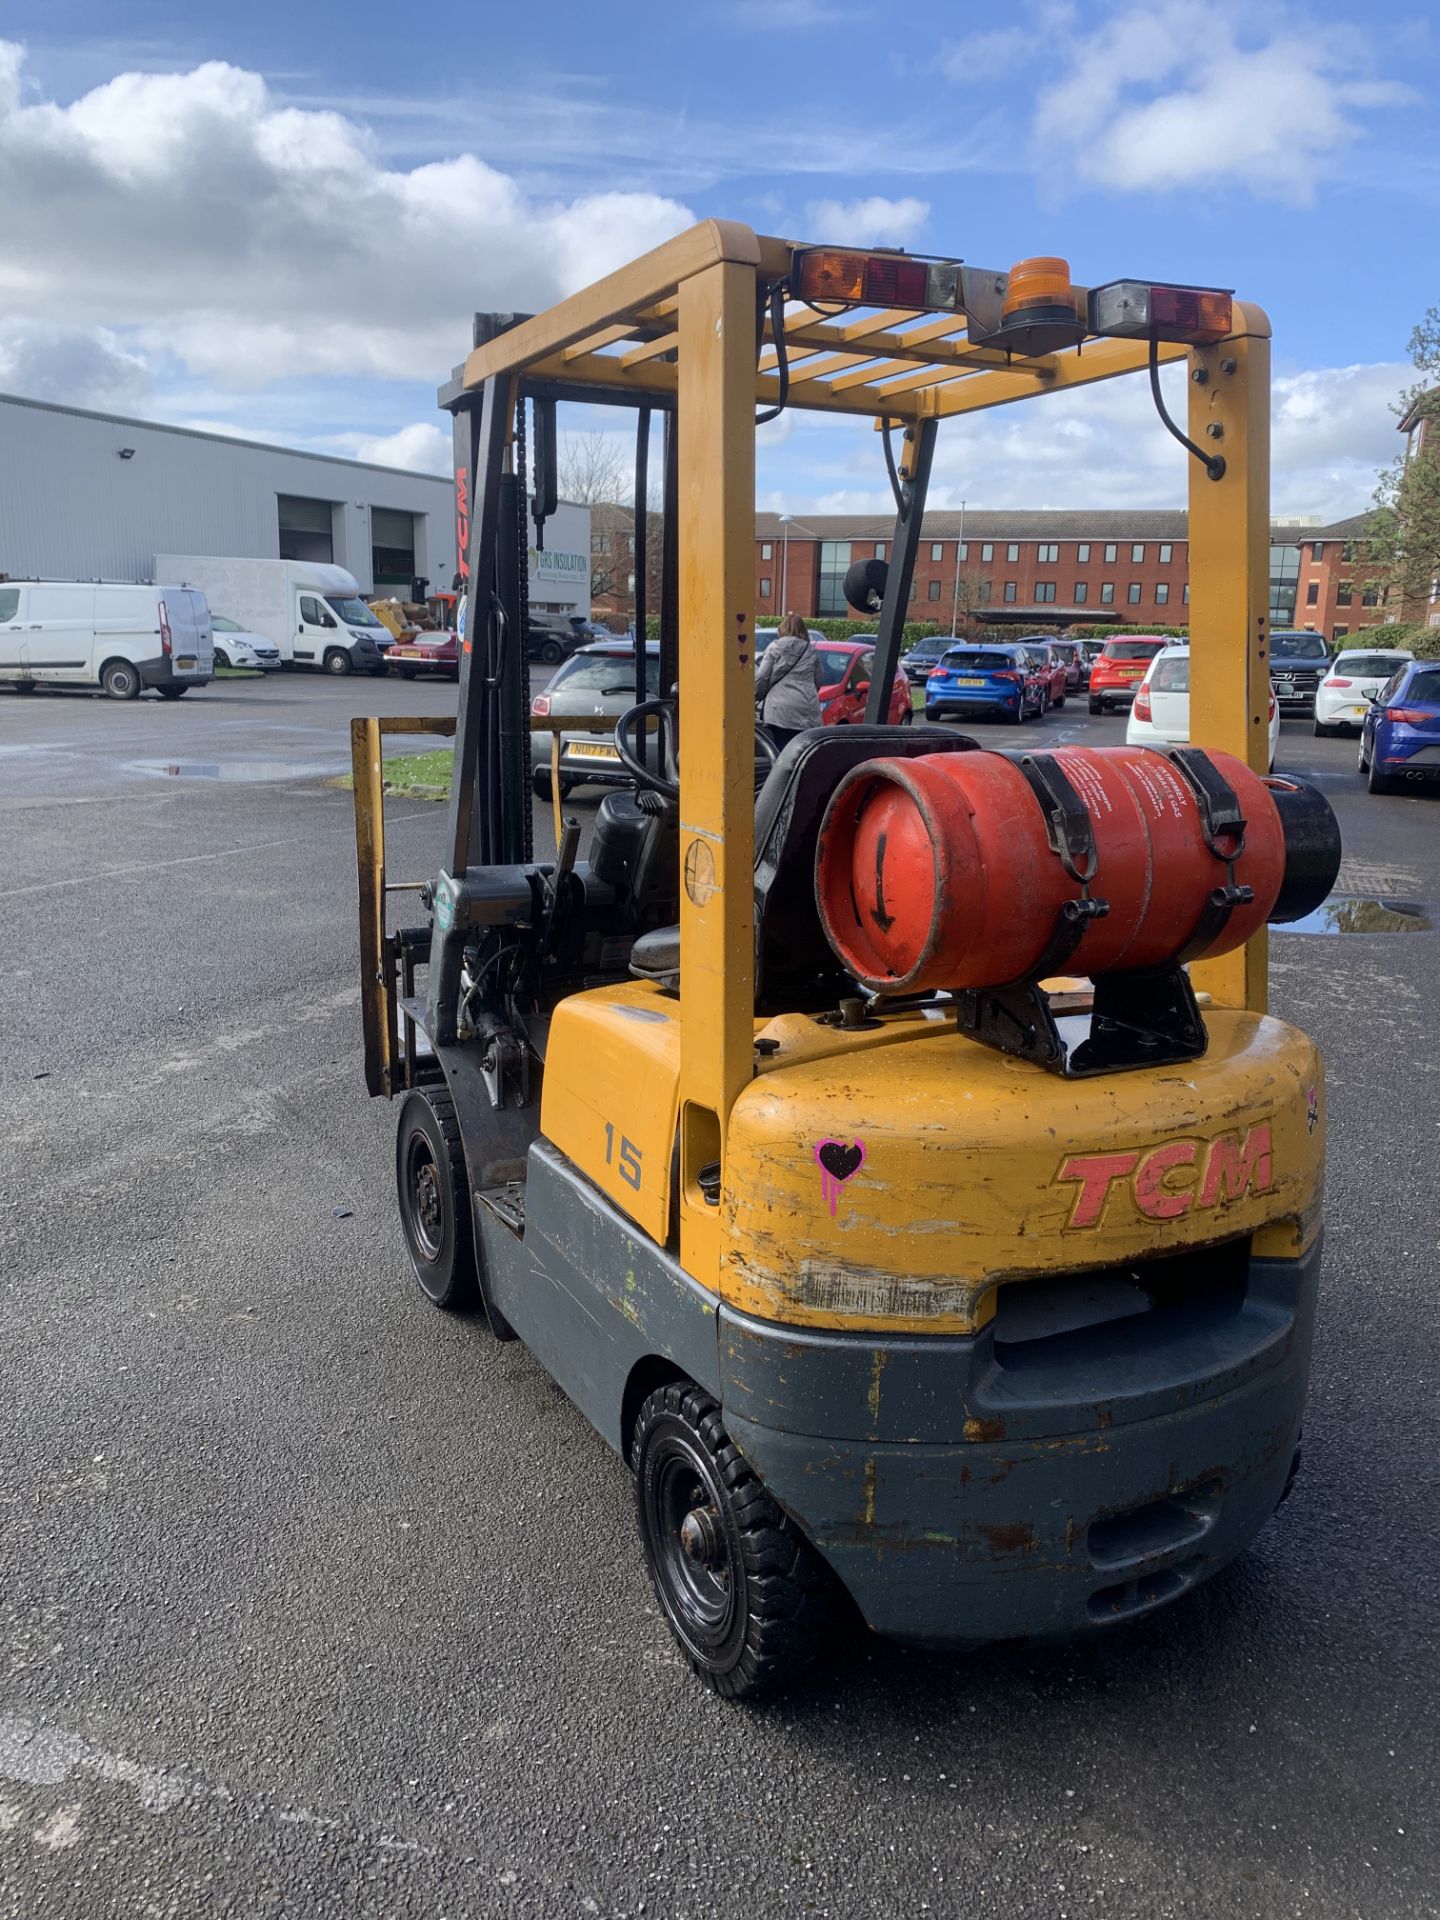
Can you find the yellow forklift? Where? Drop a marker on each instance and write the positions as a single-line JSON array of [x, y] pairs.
[[883, 1142]]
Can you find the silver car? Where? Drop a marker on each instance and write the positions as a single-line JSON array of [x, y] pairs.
[[595, 680]]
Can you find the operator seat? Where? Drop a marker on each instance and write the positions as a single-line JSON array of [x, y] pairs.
[[795, 968]]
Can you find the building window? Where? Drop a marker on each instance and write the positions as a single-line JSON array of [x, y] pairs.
[[936, 550], [765, 587], [1185, 593], [1312, 594], [1009, 589], [1340, 632], [1082, 553], [932, 592], [599, 543], [306, 529], [767, 550], [912, 589], [1317, 547], [1044, 590], [1012, 552], [1162, 594], [834, 561], [1047, 555], [1132, 593], [987, 552], [630, 543], [1284, 584], [879, 549], [985, 591], [1082, 593], [964, 549], [1343, 594], [630, 583], [1137, 552], [1111, 551], [1370, 597], [1165, 551], [1107, 593]]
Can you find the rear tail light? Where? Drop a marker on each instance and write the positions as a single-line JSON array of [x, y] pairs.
[[874, 280], [1271, 714], [1012, 679], [1142, 703], [1133, 310], [540, 705], [1412, 716], [164, 628], [1333, 682]]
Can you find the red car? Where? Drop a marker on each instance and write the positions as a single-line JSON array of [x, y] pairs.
[[847, 685], [1120, 668], [426, 653]]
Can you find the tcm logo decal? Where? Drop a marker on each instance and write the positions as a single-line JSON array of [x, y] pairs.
[[1174, 1179]]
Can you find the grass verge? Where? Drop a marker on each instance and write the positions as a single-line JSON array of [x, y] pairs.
[[239, 673], [415, 776]]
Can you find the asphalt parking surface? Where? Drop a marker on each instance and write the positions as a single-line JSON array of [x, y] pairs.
[[316, 1602]]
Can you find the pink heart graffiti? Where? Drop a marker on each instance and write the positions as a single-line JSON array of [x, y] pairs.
[[838, 1161]]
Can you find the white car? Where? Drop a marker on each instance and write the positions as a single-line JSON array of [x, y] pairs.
[[1160, 711], [235, 647], [1342, 698]]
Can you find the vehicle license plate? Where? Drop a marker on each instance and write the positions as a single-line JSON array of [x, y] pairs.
[[592, 750], [186, 663], [969, 683]]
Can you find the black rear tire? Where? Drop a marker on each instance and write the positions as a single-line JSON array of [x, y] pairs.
[[1094, 705], [171, 693], [121, 679], [1376, 781], [540, 784], [747, 1597], [434, 1193]]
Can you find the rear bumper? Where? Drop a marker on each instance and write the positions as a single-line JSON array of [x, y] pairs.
[[965, 1495], [962, 703], [160, 672]]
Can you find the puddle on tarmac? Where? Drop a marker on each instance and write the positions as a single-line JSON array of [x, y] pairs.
[[245, 771], [1350, 913]]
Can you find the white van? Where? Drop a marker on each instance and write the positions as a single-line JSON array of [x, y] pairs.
[[73, 633], [311, 611]]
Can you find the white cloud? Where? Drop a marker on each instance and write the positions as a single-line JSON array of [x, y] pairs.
[[73, 367], [875, 221], [256, 241], [422, 447], [1191, 92], [1103, 446]]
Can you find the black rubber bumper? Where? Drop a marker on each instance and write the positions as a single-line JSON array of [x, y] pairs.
[[973, 1490]]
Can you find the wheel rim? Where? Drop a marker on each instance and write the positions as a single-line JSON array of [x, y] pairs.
[[426, 1196], [695, 1555]]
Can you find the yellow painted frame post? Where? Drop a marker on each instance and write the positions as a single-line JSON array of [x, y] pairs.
[[1229, 529], [716, 516]]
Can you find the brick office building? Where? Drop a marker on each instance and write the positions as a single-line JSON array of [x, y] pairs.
[[1029, 568]]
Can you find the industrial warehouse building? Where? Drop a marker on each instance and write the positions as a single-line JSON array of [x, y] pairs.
[[93, 496]]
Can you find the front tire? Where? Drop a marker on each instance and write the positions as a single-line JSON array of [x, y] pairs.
[[743, 1591], [337, 661], [434, 1193], [222, 659], [120, 679]]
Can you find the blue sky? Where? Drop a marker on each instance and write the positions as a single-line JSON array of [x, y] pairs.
[[276, 221]]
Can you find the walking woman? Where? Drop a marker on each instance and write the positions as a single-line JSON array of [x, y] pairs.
[[788, 682]]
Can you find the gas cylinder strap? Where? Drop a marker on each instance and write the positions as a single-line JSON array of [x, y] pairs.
[[1220, 820], [1072, 841]]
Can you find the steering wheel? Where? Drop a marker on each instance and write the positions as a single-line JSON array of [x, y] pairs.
[[666, 713]]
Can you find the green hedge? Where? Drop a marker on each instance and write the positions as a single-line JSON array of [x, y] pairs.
[[990, 634]]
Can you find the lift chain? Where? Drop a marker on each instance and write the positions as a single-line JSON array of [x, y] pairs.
[[522, 541]]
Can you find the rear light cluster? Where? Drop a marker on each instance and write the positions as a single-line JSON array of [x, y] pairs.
[[876, 280], [1142, 703], [1412, 716], [1131, 310], [164, 628], [1333, 682], [540, 705]]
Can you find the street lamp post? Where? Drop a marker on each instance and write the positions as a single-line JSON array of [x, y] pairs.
[[785, 520], [955, 602]]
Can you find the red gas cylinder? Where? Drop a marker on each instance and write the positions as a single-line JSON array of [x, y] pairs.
[[939, 871]]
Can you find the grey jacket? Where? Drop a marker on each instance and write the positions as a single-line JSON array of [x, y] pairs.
[[788, 682]]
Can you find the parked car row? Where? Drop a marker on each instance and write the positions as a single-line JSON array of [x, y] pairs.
[[1011, 679]]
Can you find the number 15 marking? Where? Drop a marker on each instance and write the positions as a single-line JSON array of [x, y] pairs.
[[629, 1162]]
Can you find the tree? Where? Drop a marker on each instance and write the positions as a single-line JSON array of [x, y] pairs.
[[1404, 537], [595, 470], [973, 594]]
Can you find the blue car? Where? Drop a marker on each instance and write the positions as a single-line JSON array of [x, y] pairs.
[[1400, 735], [984, 680]]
